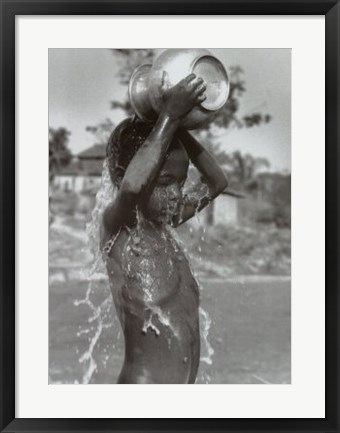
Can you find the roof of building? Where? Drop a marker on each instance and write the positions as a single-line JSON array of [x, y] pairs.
[[69, 170], [233, 193], [75, 168], [97, 151]]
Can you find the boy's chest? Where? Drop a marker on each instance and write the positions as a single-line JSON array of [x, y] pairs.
[[153, 251], [153, 268], [155, 258]]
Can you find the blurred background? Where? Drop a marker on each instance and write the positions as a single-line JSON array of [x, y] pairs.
[[239, 247]]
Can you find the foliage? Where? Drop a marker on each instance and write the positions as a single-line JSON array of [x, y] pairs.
[[59, 153], [241, 169], [228, 116], [281, 200], [102, 131], [275, 190], [238, 250], [130, 59]]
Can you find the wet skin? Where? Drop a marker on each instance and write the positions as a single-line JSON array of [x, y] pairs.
[[154, 290]]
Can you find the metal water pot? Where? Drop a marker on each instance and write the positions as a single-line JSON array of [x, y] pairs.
[[146, 80]]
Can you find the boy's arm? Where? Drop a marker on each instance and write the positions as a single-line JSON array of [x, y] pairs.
[[215, 180], [148, 160]]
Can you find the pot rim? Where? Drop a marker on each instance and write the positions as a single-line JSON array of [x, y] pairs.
[[224, 70], [137, 72]]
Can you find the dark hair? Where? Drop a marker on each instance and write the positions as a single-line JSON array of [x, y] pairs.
[[123, 143]]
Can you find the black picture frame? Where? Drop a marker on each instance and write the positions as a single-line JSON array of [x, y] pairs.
[[9, 10]]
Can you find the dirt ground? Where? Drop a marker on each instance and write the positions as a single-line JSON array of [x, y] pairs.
[[250, 330], [250, 334]]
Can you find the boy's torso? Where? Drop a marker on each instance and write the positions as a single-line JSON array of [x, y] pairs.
[[150, 269], [157, 300]]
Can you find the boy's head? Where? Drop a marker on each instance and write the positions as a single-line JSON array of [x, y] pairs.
[[165, 197], [123, 143]]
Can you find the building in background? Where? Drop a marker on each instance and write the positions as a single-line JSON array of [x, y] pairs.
[[83, 176], [225, 211], [84, 172]]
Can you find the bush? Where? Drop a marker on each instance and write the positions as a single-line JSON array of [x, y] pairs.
[[265, 216], [283, 217], [64, 203]]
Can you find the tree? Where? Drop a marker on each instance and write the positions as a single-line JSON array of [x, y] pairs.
[[102, 131], [129, 59], [242, 169], [229, 116], [59, 153]]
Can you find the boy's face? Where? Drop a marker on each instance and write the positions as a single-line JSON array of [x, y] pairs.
[[166, 197]]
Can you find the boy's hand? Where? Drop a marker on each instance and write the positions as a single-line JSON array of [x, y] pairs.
[[183, 97]]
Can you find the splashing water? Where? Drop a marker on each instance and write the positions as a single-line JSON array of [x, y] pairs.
[[105, 195], [148, 324], [99, 318], [205, 323], [205, 327], [100, 315], [205, 320]]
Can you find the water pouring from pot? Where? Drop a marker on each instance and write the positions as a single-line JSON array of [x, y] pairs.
[[146, 83]]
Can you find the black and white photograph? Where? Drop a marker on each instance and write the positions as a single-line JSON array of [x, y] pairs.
[[169, 216]]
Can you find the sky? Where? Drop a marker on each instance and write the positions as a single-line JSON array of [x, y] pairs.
[[82, 82]]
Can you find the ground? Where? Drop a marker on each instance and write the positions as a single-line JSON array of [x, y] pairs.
[[250, 318]]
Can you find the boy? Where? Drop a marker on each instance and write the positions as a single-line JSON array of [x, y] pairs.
[[154, 291]]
